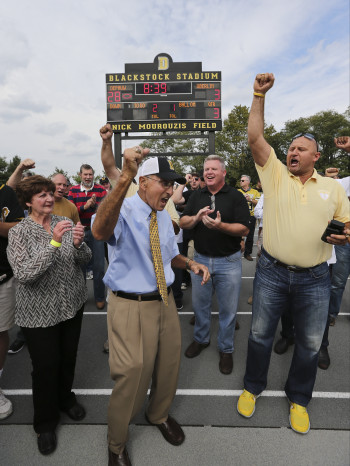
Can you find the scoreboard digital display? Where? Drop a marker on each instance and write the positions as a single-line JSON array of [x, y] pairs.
[[164, 96]]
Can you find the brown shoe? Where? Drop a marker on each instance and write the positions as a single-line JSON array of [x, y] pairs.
[[100, 305], [237, 325], [171, 430], [226, 363], [106, 346], [248, 257], [193, 320], [195, 349], [250, 300], [323, 358], [118, 460]]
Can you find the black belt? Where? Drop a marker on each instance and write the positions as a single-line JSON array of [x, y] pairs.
[[87, 228], [141, 297], [291, 268]]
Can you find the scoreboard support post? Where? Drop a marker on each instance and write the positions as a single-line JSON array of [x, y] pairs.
[[118, 149]]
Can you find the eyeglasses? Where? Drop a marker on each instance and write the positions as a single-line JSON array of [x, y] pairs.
[[195, 179], [309, 136], [212, 202], [241, 181], [165, 184]]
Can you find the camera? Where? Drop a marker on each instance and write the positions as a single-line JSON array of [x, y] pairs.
[[334, 228]]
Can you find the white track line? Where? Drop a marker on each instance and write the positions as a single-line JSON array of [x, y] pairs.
[[190, 392], [100, 313]]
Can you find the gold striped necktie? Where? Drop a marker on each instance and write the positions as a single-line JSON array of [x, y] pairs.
[[157, 257]]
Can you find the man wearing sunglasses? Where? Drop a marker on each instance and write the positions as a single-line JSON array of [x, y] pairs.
[[252, 196], [292, 270]]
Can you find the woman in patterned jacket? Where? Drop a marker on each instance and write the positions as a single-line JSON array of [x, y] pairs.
[[45, 252]]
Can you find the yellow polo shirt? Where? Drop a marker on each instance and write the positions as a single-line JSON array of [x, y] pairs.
[[296, 215]]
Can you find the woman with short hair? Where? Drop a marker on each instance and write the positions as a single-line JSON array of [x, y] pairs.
[[46, 253]]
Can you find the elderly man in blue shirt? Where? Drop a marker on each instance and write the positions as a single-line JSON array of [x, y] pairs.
[[143, 325]]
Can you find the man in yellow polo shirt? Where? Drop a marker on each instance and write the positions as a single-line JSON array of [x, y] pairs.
[[292, 270], [252, 196]]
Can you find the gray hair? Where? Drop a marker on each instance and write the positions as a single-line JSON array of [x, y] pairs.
[[246, 176], [55, 174], [85, 166], [216, 157]]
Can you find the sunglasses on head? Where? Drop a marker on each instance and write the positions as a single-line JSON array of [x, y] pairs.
[[212, 202], [309, 136]]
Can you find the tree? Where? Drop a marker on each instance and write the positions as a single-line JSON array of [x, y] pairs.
[[61, 171], [232, 145], [325, 126], [182, 164], [7, 168]]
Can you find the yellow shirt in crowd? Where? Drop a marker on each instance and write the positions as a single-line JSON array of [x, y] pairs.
[[254, 194]]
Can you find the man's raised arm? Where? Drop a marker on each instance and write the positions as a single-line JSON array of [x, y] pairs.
[[16, 176], [108, 211], [258, 145], [107, 156]]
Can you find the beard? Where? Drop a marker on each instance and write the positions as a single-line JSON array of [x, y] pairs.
[[87, 184]]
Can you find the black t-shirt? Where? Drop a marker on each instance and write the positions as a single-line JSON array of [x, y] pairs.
[[233, 208], [187, 194], [10, 211]]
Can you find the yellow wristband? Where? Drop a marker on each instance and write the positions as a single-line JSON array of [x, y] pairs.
[[259, 95], [55, 243]]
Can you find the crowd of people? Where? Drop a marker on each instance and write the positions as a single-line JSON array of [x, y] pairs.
[[160, 235]]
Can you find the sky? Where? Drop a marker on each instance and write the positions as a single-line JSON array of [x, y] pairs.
[[54, 57]]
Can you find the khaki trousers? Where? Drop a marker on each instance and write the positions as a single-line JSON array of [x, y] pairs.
[[144, 345]]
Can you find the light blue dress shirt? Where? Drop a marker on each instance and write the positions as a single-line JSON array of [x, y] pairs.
[[131, 268]]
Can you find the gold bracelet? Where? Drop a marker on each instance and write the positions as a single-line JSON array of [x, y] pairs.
[[55, 243], [258, 94], [187, 262]]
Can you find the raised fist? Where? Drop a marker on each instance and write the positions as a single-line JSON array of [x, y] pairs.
[[106, 132], [263, 82], [343, 142]]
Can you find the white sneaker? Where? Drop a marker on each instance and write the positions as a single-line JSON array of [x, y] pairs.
[[5, 406], [89, 275]]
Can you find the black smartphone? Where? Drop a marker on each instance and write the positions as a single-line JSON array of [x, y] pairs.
[[334, 228]]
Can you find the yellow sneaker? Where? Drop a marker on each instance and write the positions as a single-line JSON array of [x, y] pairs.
[[246, 404], [299, 419]]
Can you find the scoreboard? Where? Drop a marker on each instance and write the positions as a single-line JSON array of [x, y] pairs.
[[164, 96]]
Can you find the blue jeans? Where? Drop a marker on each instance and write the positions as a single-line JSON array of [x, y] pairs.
[[98, 264], [307, 296], [176, 286], [340, 273], [226, 273]]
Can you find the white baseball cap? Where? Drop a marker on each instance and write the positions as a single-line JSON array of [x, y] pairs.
[[161, 167]]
